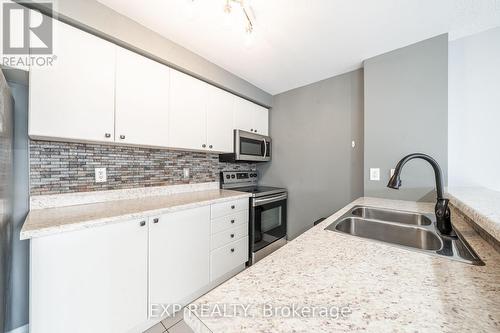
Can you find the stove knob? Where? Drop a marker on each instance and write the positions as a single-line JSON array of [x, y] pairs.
[[255, 175], [232, 176], [228, 176]]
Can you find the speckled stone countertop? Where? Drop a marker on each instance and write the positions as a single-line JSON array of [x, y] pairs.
[[385, 288], [44, 222], [481, 205]]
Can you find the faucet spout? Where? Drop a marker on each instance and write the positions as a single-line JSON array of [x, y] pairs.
[[442, 210]]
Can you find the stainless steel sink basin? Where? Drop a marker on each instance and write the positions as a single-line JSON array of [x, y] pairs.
[[407, 230], [391, 215], [390, 233]]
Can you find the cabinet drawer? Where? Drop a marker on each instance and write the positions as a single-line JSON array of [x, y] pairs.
[[226, 208], [230, 235], [228, 257], [229, 221]]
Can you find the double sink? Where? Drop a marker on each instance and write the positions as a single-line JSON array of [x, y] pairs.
[[408, 230]]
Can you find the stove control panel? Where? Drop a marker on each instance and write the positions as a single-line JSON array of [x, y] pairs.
[[239, 177]]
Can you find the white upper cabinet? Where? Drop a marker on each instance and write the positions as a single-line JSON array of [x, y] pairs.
[[99, 92], [142, 100], [243, 114], [187, 122], [74, 99], [179, 248], [250, 117], [261, 120], [220, 107]]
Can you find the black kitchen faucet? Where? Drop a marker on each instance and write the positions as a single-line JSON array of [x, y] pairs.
[[442, 210]]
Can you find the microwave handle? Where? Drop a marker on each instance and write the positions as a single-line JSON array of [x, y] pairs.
[[265, 147]]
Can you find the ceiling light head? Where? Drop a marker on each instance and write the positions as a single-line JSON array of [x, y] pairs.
[[227, 7], [249, 28]]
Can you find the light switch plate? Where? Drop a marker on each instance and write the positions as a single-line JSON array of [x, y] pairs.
[[100, 175], [185, 173], [375, 174]]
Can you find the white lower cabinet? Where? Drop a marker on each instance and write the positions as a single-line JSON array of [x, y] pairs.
[[179, 247], [105, 279], [93, 280], [228, 257]]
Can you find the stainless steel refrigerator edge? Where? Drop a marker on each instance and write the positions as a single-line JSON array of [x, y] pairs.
[[6, 193]]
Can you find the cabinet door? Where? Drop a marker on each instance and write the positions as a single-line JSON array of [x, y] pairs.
[[187, 123], [243, 114], [220, 106], [179, 255], [92, 280], [261, 120], [74, 99], [142, 90]]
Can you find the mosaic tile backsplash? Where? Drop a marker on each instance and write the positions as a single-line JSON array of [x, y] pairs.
[[61, 167]]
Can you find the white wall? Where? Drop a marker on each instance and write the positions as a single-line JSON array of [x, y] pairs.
[[474, 110]]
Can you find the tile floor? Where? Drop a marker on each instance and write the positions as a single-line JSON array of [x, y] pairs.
[[173, 324]]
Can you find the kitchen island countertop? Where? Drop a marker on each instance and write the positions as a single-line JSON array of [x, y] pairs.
[[365, 285]]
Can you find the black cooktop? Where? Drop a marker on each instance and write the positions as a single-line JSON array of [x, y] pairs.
[[260, 191]]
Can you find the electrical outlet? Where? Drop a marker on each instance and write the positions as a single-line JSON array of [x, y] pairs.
[[185, 173], [374, 174], [100, 175]]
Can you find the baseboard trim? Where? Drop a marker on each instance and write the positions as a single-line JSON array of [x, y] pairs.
[[22, 329]]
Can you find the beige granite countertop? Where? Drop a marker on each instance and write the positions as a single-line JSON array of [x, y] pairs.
[[480, 204], [44, 222], [381, 288]]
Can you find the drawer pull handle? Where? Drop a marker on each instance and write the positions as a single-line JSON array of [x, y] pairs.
[[232, 235], [232, 221], [232, 207], [156, 220], [232, 250], [142, 224]]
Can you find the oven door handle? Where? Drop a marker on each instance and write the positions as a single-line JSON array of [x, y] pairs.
[[262, 201], [265, 148]]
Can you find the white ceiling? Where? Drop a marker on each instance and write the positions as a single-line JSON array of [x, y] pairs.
[[297, 42]]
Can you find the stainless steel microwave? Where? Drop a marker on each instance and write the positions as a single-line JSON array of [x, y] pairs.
[[248, 147]]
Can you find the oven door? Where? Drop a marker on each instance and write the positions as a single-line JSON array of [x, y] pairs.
[[267, 222], [251, 147]]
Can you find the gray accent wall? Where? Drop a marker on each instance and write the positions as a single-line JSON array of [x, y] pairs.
[[102, 20], [312, 128], [406, 111]]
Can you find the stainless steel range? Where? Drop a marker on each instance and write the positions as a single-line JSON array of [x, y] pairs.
[[267, 220]]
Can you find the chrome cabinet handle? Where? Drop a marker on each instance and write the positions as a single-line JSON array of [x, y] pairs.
[[232, 221], [122, 137], [232, 250], [142, 224], [232, 206], [107, 135], [232, 235], [156, 220]]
